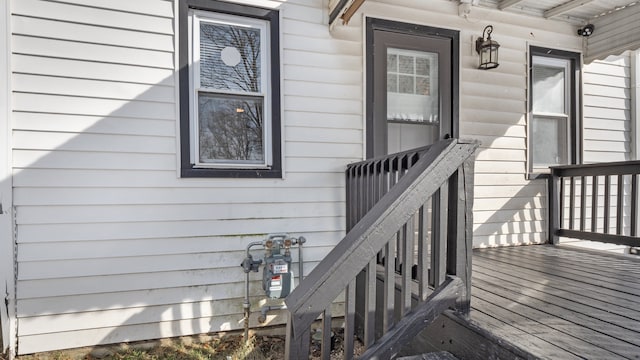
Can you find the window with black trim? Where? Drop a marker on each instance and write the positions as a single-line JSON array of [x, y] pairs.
[[229, 90], [554, 109]]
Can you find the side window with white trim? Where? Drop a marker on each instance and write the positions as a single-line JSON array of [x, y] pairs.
[[230, 99], [553, 137]]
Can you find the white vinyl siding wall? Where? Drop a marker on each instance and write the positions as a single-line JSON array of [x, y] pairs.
[[112, 245], [607, 110]]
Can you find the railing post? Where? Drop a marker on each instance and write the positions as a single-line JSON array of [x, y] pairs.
[[461, 229], [554, 207], [296, 345]]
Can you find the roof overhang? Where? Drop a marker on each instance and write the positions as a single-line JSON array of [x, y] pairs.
[[343, 10], [616, 22]]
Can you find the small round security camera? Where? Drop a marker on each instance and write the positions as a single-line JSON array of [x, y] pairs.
[[586, 31]]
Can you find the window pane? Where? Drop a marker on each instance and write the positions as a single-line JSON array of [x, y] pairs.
[[423, 86], [422, 66], [406, 64], [549, 89], [392, 83], [406, 84], [549, 138], [392, 62], [230, 128], [229, 57], [412, 86]]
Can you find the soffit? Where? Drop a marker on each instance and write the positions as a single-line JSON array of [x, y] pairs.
[[617, 22], [572, 11]]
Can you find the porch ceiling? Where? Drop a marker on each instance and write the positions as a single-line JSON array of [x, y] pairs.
[[577, 12], [617, 22]]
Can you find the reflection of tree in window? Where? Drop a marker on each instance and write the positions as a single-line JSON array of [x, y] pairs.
[[231, 126], [229, 129]]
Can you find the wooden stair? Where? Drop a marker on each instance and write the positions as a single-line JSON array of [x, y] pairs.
[[441, 355]]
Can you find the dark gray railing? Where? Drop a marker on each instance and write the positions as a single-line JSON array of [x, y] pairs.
[[409, 222], [597, 202]]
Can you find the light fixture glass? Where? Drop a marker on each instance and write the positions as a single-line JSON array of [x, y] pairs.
[[487, 49]]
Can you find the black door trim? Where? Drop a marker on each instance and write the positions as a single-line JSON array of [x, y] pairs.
[[412, 29]]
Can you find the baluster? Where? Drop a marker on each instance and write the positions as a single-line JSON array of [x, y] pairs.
[[394, 166], [572, 202], [362, 185], [583, 202], [326, 334], [439, 247], [368, 201], [561, 206], [348, 195], [594, 204], [620, 206], [607, 203], [407, 240], [349, 319], [423, 254], [296, 347], [370, 305], [388, 316], [555, 203], [634, 205]]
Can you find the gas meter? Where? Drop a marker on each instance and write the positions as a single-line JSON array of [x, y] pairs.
[[277, 276]]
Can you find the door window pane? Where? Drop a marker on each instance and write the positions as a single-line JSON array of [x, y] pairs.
[[406, 85], [412, 86], [405, 64]]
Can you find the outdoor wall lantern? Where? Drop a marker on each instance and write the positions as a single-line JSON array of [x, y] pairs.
[[487, 49]]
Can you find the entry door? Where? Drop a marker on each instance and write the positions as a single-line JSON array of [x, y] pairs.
[[411, 86]]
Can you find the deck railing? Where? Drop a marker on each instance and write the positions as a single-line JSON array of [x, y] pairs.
[[597, 202], [409, 222]]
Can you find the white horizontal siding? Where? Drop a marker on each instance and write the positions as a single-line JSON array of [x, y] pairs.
[[607, 103], [160, 20], [113, 245], [103, 178], [45, 251], [59, 269]]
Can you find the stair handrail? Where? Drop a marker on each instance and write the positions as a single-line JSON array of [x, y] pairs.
[[367, 237]]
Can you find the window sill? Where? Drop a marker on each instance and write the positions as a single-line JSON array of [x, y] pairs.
[[231, 173], [537, 175]]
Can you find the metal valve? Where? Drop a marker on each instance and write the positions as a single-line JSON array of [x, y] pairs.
[[248, 264]]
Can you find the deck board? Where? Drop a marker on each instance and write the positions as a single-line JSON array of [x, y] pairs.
[[558, 302]]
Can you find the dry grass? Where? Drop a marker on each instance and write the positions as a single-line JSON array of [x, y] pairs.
[[227, 347]]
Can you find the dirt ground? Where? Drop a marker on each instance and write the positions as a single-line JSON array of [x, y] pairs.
[[225, 347]]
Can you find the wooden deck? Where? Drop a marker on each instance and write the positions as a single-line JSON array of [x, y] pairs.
[[558, 302]]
